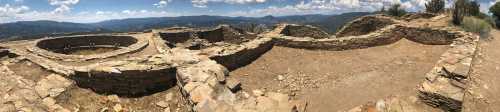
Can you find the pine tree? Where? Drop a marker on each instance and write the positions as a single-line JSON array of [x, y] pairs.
[[435, 6], [460, 10], [396, 10]]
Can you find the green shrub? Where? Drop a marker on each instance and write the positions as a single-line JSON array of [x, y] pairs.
[[463, 8], [495, 10], [396, 10], [476, 25], [435, 6]]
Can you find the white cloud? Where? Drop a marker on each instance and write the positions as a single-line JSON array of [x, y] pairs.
[[63, 5], [8, 12], [85, 17], [203, 3], [162, 3], [333, 7]]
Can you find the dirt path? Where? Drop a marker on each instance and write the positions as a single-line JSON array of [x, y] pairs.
[[340, 80], [484, 88]]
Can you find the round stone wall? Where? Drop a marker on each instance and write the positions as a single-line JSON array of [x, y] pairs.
[[68, 45]]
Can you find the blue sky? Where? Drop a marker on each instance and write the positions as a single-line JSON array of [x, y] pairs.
[[88, 11]]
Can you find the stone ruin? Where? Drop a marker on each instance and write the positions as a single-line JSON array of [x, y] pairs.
[[198, 61]]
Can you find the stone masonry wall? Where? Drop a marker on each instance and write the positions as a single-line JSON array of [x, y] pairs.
[[444, 85], [242, 55], [304, 31], [132, 45], [57, 44], [365, 25], [382, 37]]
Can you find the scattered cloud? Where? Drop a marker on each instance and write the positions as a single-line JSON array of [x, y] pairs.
[[203, 3], [90, 17], [333, 7], [162, 3], [63, 6], [8, 12]]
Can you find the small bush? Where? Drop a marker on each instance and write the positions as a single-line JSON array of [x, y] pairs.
[[396, 10], [476, 25], [435, 6], [495, 10]]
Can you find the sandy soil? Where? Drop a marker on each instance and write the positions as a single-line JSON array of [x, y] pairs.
[[341, 80], [29, 70], [485, 77], [93, 102]]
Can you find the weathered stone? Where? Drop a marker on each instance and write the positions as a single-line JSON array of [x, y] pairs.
[[258, 93], [169, 96], [201, 93], [52, 85], [166, 109], [7, 108], [114, 98], [27, 94], [118, 108], [233, 84], [162, 104], [281, 77]]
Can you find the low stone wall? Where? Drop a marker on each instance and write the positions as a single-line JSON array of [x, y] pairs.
[[304, 31], [130, 44], [241, 55], [60, 44], [414, 16], [365, 25], [429, 36], [444, 86], [384, 36], [381, 37], [197, 39]]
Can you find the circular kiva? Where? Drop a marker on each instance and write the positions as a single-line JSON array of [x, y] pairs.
[[198, 39], [228, 46], [82, 48]]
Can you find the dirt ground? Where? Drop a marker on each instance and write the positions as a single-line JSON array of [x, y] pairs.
[[340, 80], [86, 100], [485, 69]]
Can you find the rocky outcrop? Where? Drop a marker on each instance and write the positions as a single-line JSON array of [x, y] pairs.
[[20, 94], [203, 86]]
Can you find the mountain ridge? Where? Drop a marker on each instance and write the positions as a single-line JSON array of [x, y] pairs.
[[37, 29]]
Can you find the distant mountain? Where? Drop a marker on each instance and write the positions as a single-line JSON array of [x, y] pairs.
[[34, 28], [37, 29]]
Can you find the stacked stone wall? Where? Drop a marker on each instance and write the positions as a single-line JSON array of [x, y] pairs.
[[244, 55], [304, 31], [58, 44], [365, 25]]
